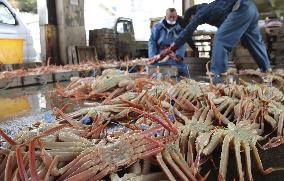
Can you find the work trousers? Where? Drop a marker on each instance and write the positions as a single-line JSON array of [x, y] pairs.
[[241, 24]]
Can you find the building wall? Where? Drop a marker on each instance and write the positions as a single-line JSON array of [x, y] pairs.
[[71, 25]]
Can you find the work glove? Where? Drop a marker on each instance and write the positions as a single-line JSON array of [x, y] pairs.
[[163, 54]]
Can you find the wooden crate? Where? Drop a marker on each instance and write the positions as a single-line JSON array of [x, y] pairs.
[[248, 59], [101, 36], [86, 53], [204, 42], [82, 54], [242, 66], [72, 55], [279, 45]]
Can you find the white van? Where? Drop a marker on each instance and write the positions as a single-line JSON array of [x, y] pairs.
[[11, 26]]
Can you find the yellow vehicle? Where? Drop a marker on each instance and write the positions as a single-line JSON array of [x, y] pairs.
[[16, 43]]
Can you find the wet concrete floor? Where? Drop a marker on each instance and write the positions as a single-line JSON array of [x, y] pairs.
[[20, 107]]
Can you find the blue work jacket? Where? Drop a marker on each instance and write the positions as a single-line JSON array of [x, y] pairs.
[[162, 36]]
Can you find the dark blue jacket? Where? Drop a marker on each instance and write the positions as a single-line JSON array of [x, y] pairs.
[[163, 36], [213, 13]]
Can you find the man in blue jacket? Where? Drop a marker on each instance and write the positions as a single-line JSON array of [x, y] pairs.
[[163, 35], [236, 20]]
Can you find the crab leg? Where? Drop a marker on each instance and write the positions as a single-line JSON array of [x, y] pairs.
[[21, 167], [183, 140], [85, 166], [96, 132], [190, 151], [152, 152], [218, 100], [4, 153], [47, 132], [223, 105], [32, 161], [168, 158], [164, 167], [258, 161], [105, 171], [113, 94], [153, 118], [237, 146], [219, 116], [270, 120], [209, 117], [7, 138], [3, 165], [190, 106], [203, 115], [216, 139], [248, 160], [66, 117], [86, 174], [9, 167], [229, 109], [183, 166], [197, 115], [76, 164], [52, 165], [167, 119], [224, 157]]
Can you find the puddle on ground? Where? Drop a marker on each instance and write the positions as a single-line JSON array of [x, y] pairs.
[[21, 107]]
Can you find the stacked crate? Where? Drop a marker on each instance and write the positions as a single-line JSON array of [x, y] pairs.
[[243, 59], [204, 42], [278, 46], [105, 42]]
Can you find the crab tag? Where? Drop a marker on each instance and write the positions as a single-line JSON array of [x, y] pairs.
[[49, 117], [87, 121], [144, 126], [171, 117], [94, 73], [154, 75]]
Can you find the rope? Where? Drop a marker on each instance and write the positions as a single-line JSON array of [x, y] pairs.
[[209, 73]]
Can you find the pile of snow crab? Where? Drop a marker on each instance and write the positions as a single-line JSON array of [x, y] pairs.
[[89, 65], [139, 128]]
